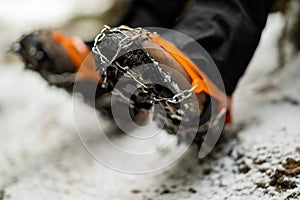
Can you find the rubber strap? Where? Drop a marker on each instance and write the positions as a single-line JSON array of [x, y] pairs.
[[198, 77], [80, 56]]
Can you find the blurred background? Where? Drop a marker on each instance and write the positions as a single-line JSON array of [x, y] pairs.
[[74, 17], [41, 155]]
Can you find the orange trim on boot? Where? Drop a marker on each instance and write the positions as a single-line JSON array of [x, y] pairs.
[[198, 77], [80, 55]]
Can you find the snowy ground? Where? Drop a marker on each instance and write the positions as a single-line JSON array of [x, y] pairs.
[[41, 156]]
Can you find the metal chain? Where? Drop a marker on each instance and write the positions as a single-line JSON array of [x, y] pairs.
[[126, 42]]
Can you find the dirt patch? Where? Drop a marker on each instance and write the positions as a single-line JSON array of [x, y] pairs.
[[270, 168], [291, 167], [294, 195], [282, 179]]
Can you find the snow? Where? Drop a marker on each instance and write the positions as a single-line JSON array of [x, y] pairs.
[[42, 157]]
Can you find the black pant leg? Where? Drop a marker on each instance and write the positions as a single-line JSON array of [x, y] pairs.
[[229, 30], [153, 13]]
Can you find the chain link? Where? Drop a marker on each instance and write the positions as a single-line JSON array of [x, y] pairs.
[[126, 42]]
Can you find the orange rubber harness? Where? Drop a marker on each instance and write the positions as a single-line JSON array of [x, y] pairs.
[[198, 77], [79, 53]]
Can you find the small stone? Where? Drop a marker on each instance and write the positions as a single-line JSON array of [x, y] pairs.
[[165, 191], [207, 171], [261, 185], [244, 168], [136, 191], [192, 190]]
